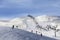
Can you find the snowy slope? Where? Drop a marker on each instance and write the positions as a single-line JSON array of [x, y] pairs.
[[49, 20], [7, 33], [28, 24]]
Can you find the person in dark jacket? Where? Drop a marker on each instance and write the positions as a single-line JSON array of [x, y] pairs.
[[13, 27], [41, 34], [16, 26]]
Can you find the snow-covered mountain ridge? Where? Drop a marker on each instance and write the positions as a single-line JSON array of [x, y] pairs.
[[44, 19]]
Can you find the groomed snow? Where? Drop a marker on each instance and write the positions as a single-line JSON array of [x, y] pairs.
[[7, 33]]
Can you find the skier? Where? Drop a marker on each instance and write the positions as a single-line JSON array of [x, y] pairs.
[[13, 27], [16, 26], [32, 31], [36, 32], [41, 34]]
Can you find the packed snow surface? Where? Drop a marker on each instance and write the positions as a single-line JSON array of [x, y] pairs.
[[6, 33]]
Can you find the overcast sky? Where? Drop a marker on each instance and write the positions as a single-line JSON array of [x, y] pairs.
[[17, 8]]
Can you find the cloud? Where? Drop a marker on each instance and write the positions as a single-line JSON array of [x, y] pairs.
[[16, 3], [11, 8], [29, 3]]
